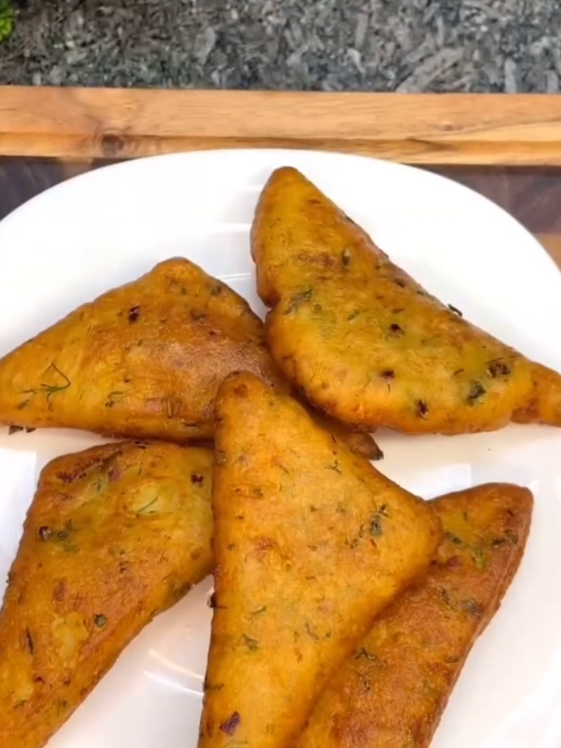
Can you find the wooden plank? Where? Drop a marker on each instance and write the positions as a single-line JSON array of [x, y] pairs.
[[425, 128]]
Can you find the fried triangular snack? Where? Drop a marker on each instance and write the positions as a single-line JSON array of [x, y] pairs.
[[142, 361], [115, 534], [310, 543], [391, 693], [366, 343]]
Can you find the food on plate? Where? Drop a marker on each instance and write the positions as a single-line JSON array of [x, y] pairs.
[[545, 404], [142, 361], [115, 534], [359, 442], [392, 691], [310, 543], [365, 342]]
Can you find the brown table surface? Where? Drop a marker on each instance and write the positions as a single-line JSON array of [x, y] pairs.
[[505, 147]]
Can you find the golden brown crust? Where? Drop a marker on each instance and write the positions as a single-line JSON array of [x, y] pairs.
[[544, 406], [142, 361], [358, 442], [311, 542], [391, 693], [115, 535], [367, 344]]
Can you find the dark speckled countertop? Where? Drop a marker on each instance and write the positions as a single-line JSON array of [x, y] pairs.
[[377, 45]]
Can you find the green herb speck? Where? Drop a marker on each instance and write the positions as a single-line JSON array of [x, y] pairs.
[[144, 509], [251, 644], [113, 398], [453, 538], [377, 520], [51, 389], [477, 390], [364, 654], [471, 606], [335, 467], [479, 558], [297, 300], [512, 537], [7, 19]]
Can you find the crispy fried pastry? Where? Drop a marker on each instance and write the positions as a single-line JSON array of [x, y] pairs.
[[311, 542], [115, 534], [365, 342], [391, 693], [142, 361]]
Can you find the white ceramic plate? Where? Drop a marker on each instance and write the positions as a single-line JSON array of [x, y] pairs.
[[111, 225]]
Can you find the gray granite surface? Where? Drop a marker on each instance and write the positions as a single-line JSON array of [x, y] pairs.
[[378, 45]]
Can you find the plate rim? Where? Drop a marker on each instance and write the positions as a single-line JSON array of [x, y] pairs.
[[414, 171]]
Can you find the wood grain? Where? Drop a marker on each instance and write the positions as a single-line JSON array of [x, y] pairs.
[[479, 129]]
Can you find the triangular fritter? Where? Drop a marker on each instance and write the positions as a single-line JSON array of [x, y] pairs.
[[366, 343], [115, 534], [391, 693], [310, 543], [142, 361]]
